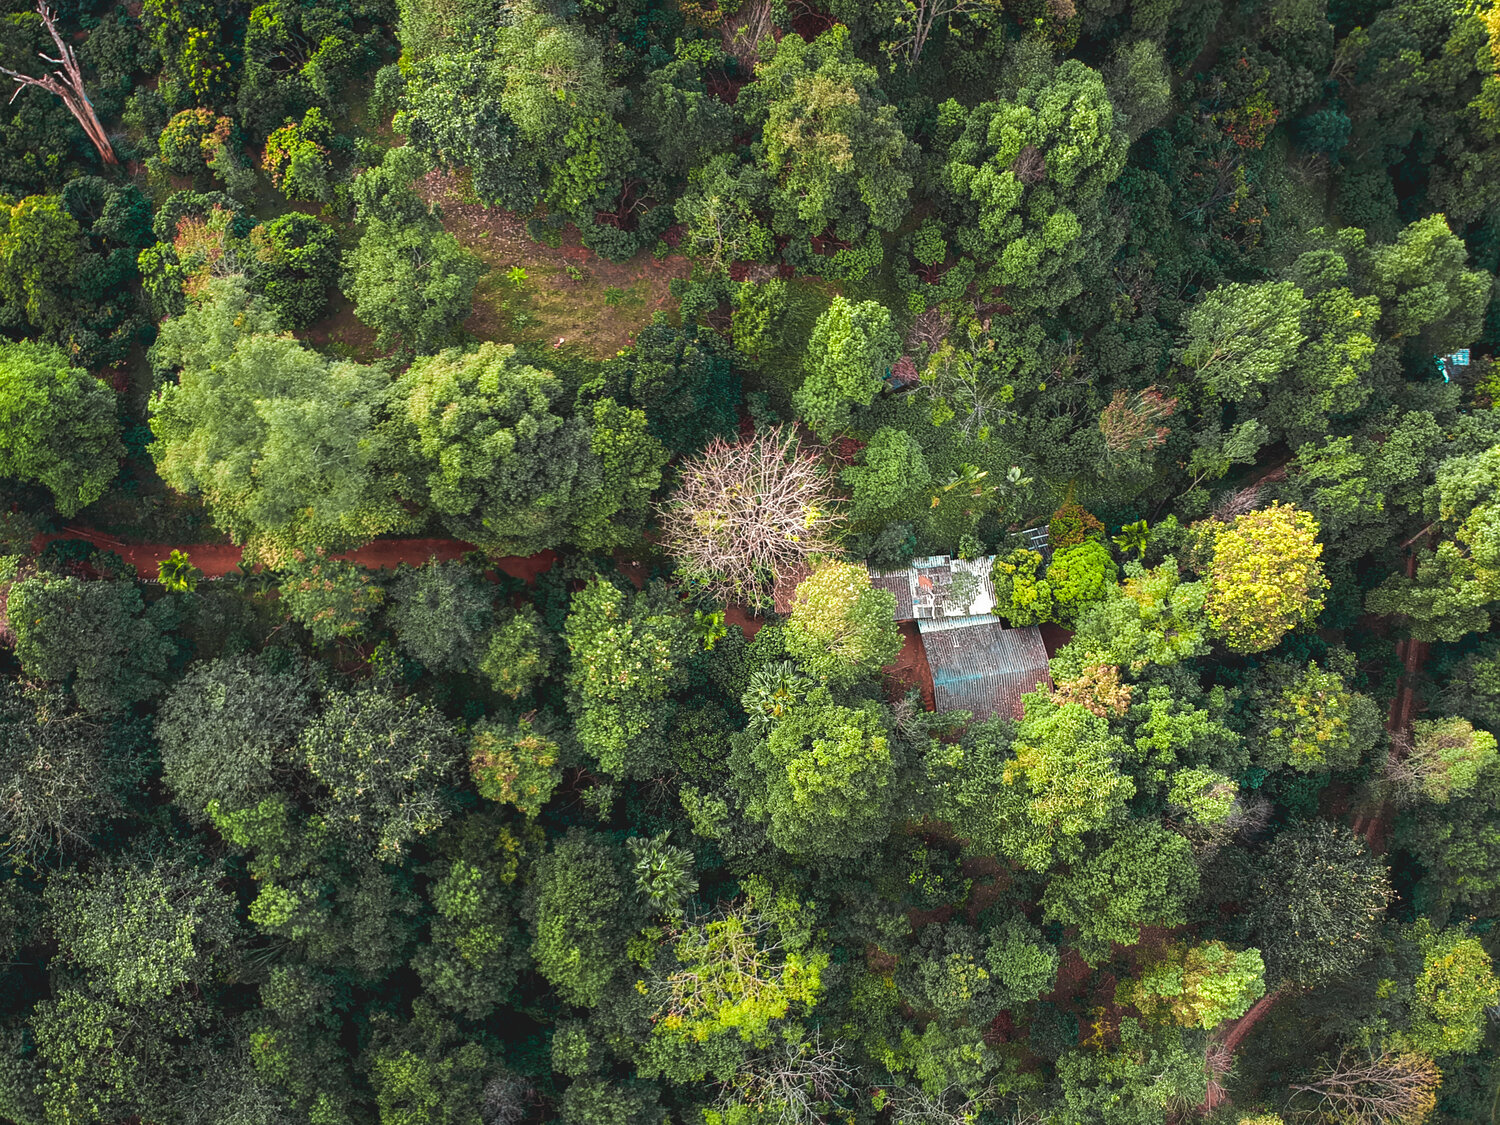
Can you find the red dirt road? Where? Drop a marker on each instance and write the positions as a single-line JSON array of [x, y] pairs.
[[217, 559]]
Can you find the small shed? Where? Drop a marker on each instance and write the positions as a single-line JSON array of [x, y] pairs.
[[978, 664], [940, 588], [984, 667]]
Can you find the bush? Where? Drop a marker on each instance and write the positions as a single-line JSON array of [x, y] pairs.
[[1022, 597]]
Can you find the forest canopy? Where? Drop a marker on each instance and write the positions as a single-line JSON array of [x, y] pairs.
[[749, 562]]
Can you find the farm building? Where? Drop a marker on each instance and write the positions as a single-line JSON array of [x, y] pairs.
[[978, 663]]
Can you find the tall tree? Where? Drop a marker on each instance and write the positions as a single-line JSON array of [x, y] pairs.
[[829, 774], [58, 425], [851, 352], [490, 446], [1266, 577], [1024, 178], [837, 158], [278, 440]]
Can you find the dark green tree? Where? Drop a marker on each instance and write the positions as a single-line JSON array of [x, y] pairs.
[[98, 638], [1321, 899]]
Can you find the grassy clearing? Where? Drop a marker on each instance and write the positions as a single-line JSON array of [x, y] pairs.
[[567, 293]]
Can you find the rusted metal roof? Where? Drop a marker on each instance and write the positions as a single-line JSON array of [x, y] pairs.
[[983, 667]]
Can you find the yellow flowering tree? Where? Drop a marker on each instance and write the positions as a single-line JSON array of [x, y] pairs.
[[1266, 577]]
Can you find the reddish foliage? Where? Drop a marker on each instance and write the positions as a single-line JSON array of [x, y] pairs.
[[1001, 1028], [845, 449]]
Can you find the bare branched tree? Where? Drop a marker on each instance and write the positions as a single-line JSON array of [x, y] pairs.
[[746, 514], [793, 1083], [913, 1105], [1385, 1089], [743, 32], [67, 83]]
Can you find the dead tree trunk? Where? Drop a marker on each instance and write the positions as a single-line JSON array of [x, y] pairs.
[[67, 83]]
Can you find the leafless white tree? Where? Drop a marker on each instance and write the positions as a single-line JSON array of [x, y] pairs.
[[1384, 1089], [67, 83], [748, 513], [793, 1083]]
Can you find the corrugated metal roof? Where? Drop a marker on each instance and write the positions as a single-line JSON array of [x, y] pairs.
[[984, 667], [925, 591], [899, 583]]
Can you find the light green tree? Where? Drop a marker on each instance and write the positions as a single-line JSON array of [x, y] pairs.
[[1062, 783], [518, 651], [1154, 618], [852, 349], [39, 242], [579, 924], [1310, 720], [1136, 1083], [411, 282], [829, 773], [1457, 583], [1197, 985], [1446, 759], [1025, 177], [1240, 337], [629, 655], [1456, 984], [1426, 288], [1145, 876], [58, 425], [488, 446], [514, 765], [1022, 595], [841, 628], [892, 473], [278, 440], [143, 930], [836, 157]]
